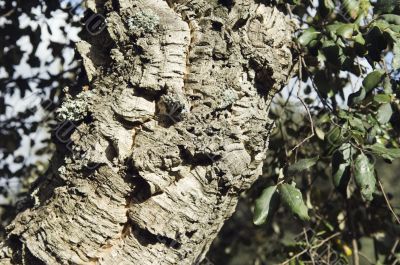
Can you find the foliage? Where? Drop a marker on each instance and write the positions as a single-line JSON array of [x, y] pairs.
[[348, 86]]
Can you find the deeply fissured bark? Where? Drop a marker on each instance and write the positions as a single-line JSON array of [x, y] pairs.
[[178, 126]]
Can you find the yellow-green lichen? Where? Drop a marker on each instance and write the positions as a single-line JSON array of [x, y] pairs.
[[143, 21]]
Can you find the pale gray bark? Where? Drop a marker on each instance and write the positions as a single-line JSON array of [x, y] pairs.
[[178, 127]]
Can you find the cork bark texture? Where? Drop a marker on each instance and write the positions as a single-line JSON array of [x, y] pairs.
[[176, 127]]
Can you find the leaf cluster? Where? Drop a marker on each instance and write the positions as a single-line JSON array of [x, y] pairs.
[[348, 79]]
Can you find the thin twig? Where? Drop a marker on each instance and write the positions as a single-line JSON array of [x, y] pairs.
[[356, 256], [289, 11], [312, 127], [311, 248], [387, 202], [289, 96], [8, 13], [393, 252], [308, 245], [321, 98], [394, 247], [307, 109]]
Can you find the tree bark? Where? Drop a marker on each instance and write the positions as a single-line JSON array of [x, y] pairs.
[[176, 126]]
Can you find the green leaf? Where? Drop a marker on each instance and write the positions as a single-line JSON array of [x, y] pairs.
[[326, 7], [396, 55], [293, 199], [380, 25], [373, 80], [341, 160], [384, 114], [346, 31], [332, 28], [356, 123], [308, 35], [391, 33], [357, 97], [334, 136], [383, 98], [365, 177], [264, 204], [340, 174], [387, 86], [392, 19], [386, 153], [352, 8], [395, 29], [337, 136], [320, 133], [329, 4], [333, 52], [359, 39], [365, 6], [302, 164], [385, 6]]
